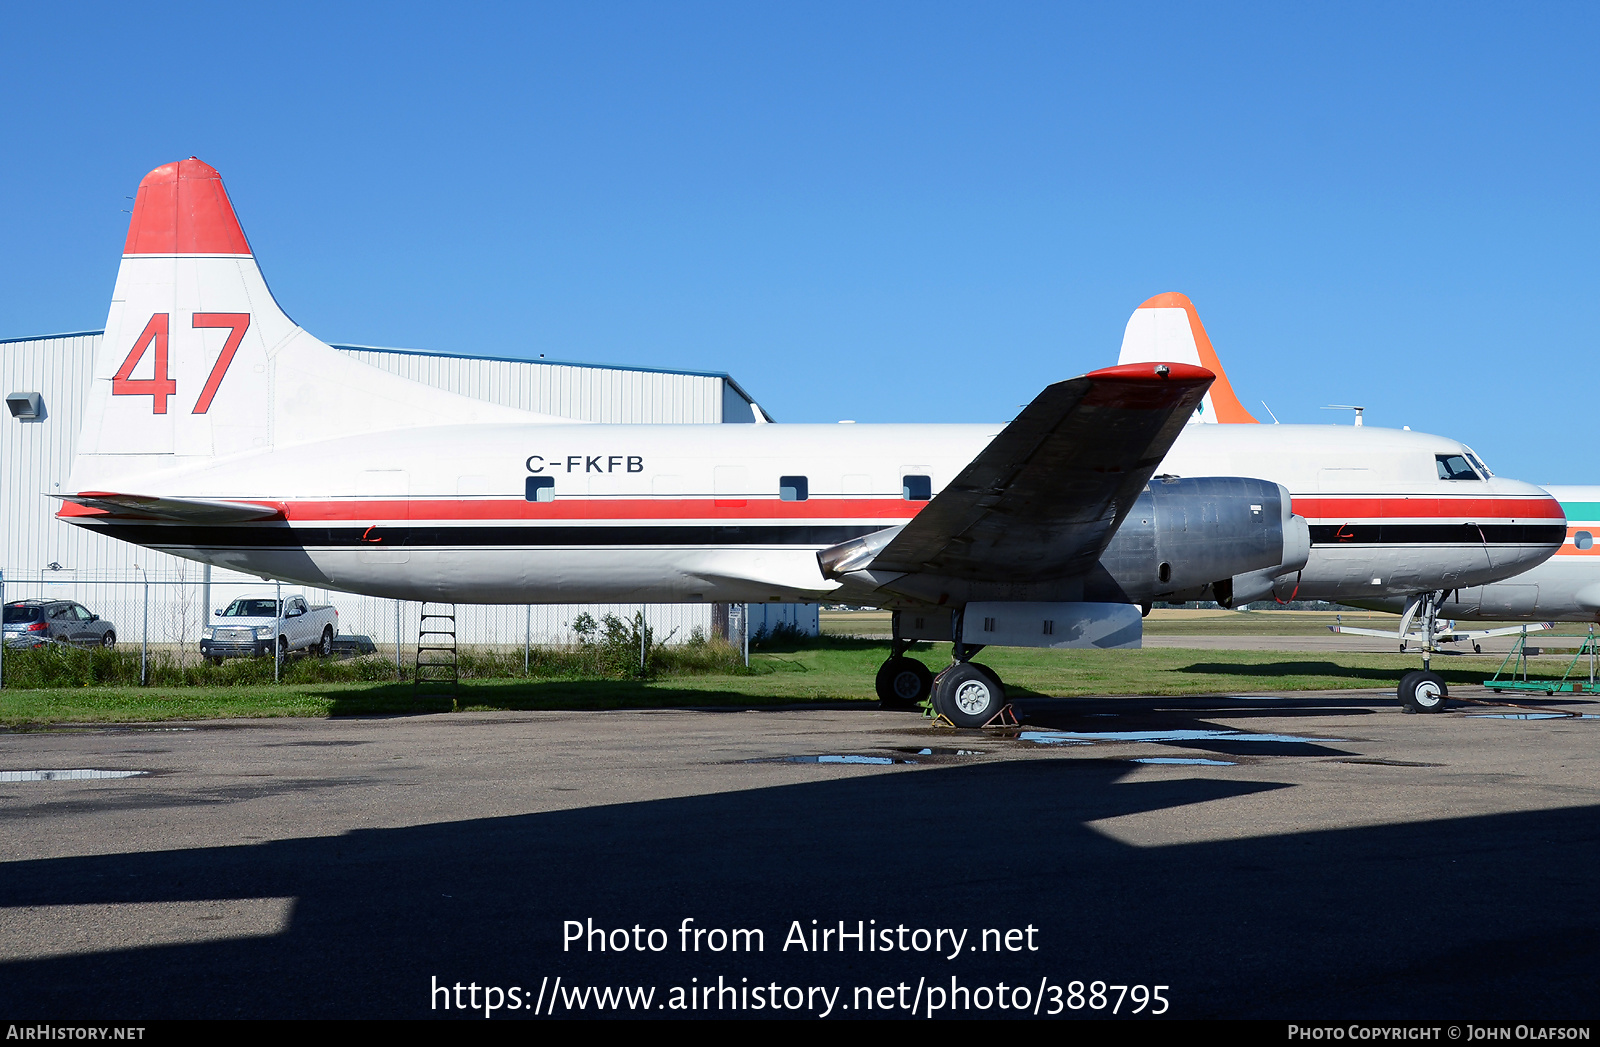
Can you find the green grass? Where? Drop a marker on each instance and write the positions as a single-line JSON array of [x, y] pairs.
[[825, 671]]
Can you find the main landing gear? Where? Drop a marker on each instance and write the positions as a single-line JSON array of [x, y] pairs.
[[902, 681], [1423, 690], [965, 693]]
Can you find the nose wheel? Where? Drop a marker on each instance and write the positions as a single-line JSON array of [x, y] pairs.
[[1423, 691]]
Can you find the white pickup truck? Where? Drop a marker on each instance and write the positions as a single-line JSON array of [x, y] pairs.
[[250, 626]]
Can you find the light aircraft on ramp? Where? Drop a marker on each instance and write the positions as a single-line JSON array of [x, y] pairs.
[[219, 430], [1397, 518]]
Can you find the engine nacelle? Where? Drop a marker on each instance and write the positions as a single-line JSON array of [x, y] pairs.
[[1212, 537]]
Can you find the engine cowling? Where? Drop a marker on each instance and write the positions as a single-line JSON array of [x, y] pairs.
[[1212, 537]]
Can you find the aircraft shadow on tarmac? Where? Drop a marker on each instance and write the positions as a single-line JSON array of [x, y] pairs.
[[1379, 677], [1477, 917]]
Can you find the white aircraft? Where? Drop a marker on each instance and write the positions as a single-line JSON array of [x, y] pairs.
[[217, 429], [1565, 588], [1398, 519]]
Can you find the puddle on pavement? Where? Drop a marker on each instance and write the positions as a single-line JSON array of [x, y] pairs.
[[78, 775], [914, 751], [1535, 716], [1090, 737], [833, 758], [1184, 761]]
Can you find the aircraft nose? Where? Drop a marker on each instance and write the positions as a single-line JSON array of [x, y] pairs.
[[1536, 524]]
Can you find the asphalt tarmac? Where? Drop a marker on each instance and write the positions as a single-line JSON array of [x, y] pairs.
[[1308, 856]]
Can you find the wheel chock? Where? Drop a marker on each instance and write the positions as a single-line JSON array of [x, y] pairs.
[[941, 720], [1006, 717]]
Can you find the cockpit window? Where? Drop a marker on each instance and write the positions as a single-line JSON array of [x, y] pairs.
[[1455, 467], [1477, 463]]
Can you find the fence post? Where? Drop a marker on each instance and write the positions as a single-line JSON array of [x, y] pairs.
[[277, 648], [527, 638], [3, 639], [144, 633]]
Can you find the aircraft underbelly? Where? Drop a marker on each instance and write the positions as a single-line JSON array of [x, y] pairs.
[[542, 575], [1343, 573]]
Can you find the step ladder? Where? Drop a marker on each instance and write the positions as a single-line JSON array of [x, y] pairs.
[[438, 672]]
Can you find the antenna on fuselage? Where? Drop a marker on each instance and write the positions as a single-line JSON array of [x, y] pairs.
[[1346, 407], [1270, 414]]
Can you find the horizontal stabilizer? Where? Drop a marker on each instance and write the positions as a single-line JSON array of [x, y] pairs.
[[183, 510]]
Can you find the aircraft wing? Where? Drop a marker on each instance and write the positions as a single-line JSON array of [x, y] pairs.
[[1047, 494], [1447, 635], [183, 510]]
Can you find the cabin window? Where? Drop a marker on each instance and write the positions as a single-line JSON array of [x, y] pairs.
[[793, 488], [1454, 467], [541, 489], [1583, 540], [916, 488]]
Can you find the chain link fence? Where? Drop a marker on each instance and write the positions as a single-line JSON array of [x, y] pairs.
[[168, 611]]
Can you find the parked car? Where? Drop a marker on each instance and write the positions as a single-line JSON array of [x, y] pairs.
[[251, 626], [32, 623]]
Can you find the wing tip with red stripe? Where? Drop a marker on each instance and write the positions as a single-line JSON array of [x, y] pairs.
[[1152, 372]]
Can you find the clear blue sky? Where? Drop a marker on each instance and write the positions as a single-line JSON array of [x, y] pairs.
[[886, 212]]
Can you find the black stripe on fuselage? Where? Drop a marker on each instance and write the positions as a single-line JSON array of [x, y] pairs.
[[282, 536], [1438, 534]]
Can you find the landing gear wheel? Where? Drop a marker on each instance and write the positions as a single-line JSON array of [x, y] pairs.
[[903, 682], [991, 674], [1423, 691], [968, 695]]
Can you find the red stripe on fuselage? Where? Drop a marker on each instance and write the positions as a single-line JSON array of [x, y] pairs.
[[888, 510], [1466, 510]]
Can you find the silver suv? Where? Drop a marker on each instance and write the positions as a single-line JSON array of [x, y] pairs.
[[31, 623]]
